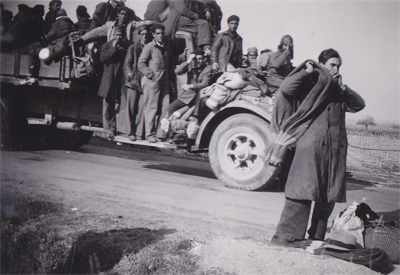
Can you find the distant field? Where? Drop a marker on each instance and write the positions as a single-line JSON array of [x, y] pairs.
[[374, 152]]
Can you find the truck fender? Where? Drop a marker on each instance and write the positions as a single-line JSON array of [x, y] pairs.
[[213, 119]]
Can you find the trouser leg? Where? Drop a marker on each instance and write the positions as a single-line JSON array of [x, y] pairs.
[[33, 59], [294, 219], [174, 106], [319, 221], [140, 117], [163, 104], [200, 110], [200, 27], [108, 115], [151, 94], [126, 118], [204, 34]]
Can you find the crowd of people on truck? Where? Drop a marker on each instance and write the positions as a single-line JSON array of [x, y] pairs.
[[139, 61]]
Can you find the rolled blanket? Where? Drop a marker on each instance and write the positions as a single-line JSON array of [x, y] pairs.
[[299, 115]]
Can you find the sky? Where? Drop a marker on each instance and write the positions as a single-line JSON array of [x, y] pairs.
[[365, 33]]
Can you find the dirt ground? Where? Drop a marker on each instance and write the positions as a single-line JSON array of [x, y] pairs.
[[115, 210]]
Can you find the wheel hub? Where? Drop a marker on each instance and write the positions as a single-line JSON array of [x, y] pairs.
[[242, 152]]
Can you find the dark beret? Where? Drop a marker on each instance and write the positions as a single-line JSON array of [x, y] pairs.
[[157, 26], [198, 51], [142, 28], [233, 17]]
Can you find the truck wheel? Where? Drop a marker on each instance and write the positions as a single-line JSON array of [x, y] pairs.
[[64, 139], [237, 148]]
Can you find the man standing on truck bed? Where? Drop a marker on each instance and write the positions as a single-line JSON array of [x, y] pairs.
[[317, 172], [130, 119], [227, 50], [112, 55], [154, 64]]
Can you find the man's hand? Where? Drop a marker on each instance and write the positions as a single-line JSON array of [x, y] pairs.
[[187, 86], [215, 66], [191, 57], [150, 75], [115, 44], [309, 67], [338, 78], [208, 15]]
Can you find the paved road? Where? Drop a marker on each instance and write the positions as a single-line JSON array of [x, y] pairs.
[[152, 189]]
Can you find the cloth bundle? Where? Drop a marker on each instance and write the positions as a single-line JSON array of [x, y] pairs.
[[303, 115]]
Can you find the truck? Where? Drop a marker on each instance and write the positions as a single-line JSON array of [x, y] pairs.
[[67, 111]]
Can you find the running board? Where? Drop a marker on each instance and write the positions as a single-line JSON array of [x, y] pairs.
[[165, 145]]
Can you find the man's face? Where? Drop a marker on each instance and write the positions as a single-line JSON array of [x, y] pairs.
[[199, 60], [159, 35], [122, 17], [286, 44], [233, 25], [119, 36], [56, 6], [144, 37], [333, 65], [252, 55]]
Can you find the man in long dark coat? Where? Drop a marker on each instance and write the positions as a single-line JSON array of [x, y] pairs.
[[112, 55], [317, 172]]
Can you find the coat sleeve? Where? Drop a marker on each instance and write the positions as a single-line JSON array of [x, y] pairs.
[[96, 33], [107, 51], [182, 8], [144, 60], [354, 102], [182, 68], [293, 84], [129, 62], [205, 79], [215, 49], [52, 32]]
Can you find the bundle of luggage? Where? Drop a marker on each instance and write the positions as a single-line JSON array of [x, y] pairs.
[[361, 236]]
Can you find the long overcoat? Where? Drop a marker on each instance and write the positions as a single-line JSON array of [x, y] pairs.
[[112, 79], [318, 168]]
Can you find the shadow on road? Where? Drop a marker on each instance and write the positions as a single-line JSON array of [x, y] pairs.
[[95, 252]]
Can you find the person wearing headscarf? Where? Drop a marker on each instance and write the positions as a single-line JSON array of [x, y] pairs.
[[252, 57], [130, 122], [51, 15], [227, 49], [279, 64], [112, 56]]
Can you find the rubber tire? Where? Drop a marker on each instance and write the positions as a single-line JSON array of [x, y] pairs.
[[250, 127], [64, 139]]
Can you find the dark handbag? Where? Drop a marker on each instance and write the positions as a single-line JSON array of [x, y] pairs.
[[383, 235]]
